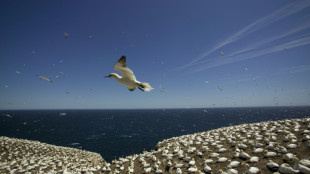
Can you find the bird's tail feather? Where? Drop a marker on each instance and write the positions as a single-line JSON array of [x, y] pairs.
[[145, 86]]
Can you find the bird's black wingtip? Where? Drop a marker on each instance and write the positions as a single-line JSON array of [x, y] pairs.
[[122, 60], [123, 57]]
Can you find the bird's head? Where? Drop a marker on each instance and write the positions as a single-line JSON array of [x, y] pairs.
[[295, 159], [113, 75]]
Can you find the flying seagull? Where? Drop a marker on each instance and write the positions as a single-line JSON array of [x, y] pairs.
[[44, 78], [222, 53], [7, 115], [128, 78], [66, 35]]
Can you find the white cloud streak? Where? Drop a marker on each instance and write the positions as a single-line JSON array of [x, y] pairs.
[[258, 44], [259, 24], [296, 69], [249, 55]]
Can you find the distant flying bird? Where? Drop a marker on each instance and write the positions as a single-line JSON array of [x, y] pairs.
[[62, 114], [163, 90], [66, 35], [44, 78], [128, 78], [60, 74], [221, 52], [7, 115], [219, 88]]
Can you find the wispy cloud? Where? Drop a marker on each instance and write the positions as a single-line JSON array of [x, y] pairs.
[[249, 55], [296, 69], [266, 41], [251, 50], [234, 79], [299, 69]]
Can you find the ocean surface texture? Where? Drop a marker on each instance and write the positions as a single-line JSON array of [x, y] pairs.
[[118, 133]]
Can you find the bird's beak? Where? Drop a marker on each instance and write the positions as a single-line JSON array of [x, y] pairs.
[[107, 76]]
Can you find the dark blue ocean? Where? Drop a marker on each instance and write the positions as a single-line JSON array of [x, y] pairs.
[[118, 133]]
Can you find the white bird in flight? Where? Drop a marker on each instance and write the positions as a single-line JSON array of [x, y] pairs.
[[222, 53], [128, 78], [7, 115]]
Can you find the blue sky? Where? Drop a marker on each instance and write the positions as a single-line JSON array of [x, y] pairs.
[[170, 44]]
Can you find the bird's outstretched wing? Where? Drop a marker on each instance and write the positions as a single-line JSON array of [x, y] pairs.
[[121, 67]]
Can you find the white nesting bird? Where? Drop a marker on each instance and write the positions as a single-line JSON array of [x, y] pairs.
[[300, 167], [233, 163], [230, 170], [178, 171], [253, 159], [305, 162], [128, 78], [178, 165], [207, 168], [192, 169], [251, 170], [192, 162], [272, 165], [288, 157], [287, 169]]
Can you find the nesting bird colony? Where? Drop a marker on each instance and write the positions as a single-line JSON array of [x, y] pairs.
[[24, 156], [267, 147]]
